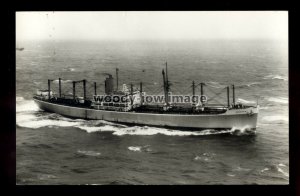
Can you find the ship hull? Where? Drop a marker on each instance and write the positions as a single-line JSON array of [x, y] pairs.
[[238, 118]]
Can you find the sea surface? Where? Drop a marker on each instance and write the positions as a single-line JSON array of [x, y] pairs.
[[52, 149]]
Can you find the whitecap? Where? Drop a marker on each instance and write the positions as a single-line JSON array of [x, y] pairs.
[[276, 77], [230, 175], [282, 165], [278, 99], [197, 158], [241, 169], [240, 131], [89, 153], [276, 118], [243, 101], [18, 99], [136, 130], [34, 124], [46, 176], [263, 108], [26, 105], [252, 84], [89, 129], [283, 172], [265, 169], [135, 148], [25, 117], [215, 85], [62, 81]]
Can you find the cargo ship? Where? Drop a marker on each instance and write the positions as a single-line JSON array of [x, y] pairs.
[[134, 110]]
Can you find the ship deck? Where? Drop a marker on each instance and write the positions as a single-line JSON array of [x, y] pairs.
[[155, 109]]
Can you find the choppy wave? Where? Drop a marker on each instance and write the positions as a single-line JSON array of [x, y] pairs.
[[243, 101], [204, 157], [18, 99], [248, 85], [23, 105], [264, 108], [89, 153], [135, 148], [62, 81], [46, 176], [265, 169], [278, 118], [240, 169], [215, 84], [276, 77], [29, 116], [278, 99], [280, 169], [230, 175]]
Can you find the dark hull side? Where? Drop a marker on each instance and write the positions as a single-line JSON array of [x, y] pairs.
[[237, 118]]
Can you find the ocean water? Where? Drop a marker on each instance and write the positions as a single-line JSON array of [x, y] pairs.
[[52, 149]]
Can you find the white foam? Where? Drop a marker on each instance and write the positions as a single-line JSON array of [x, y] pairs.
[[89, 129], [230, 175], [276, 118], [136, 130], [46, 176], [253, 83], [89, 153], [280, 78], [282, 165], [205, 158], [243, 101], [25, 117], [18, 99], [34, 124], [279, 99], [241, 169], [215, 85], [265, 169], [62, 81], [263, 108], [283, 172], [240, 131], [135, 148], [276, 77], [26, 106]]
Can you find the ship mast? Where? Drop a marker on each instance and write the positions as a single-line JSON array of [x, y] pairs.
[[167, 80], [74, 87], [166, 84], [117, 75], [193, 86], [233, 95], [131, 93], [165, 87], [201, 91], [228, 99], [49, 88], [59, 82], [141, 92], [84, 89], [95, 88]]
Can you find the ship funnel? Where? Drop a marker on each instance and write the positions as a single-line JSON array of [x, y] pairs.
[[109, 85]]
